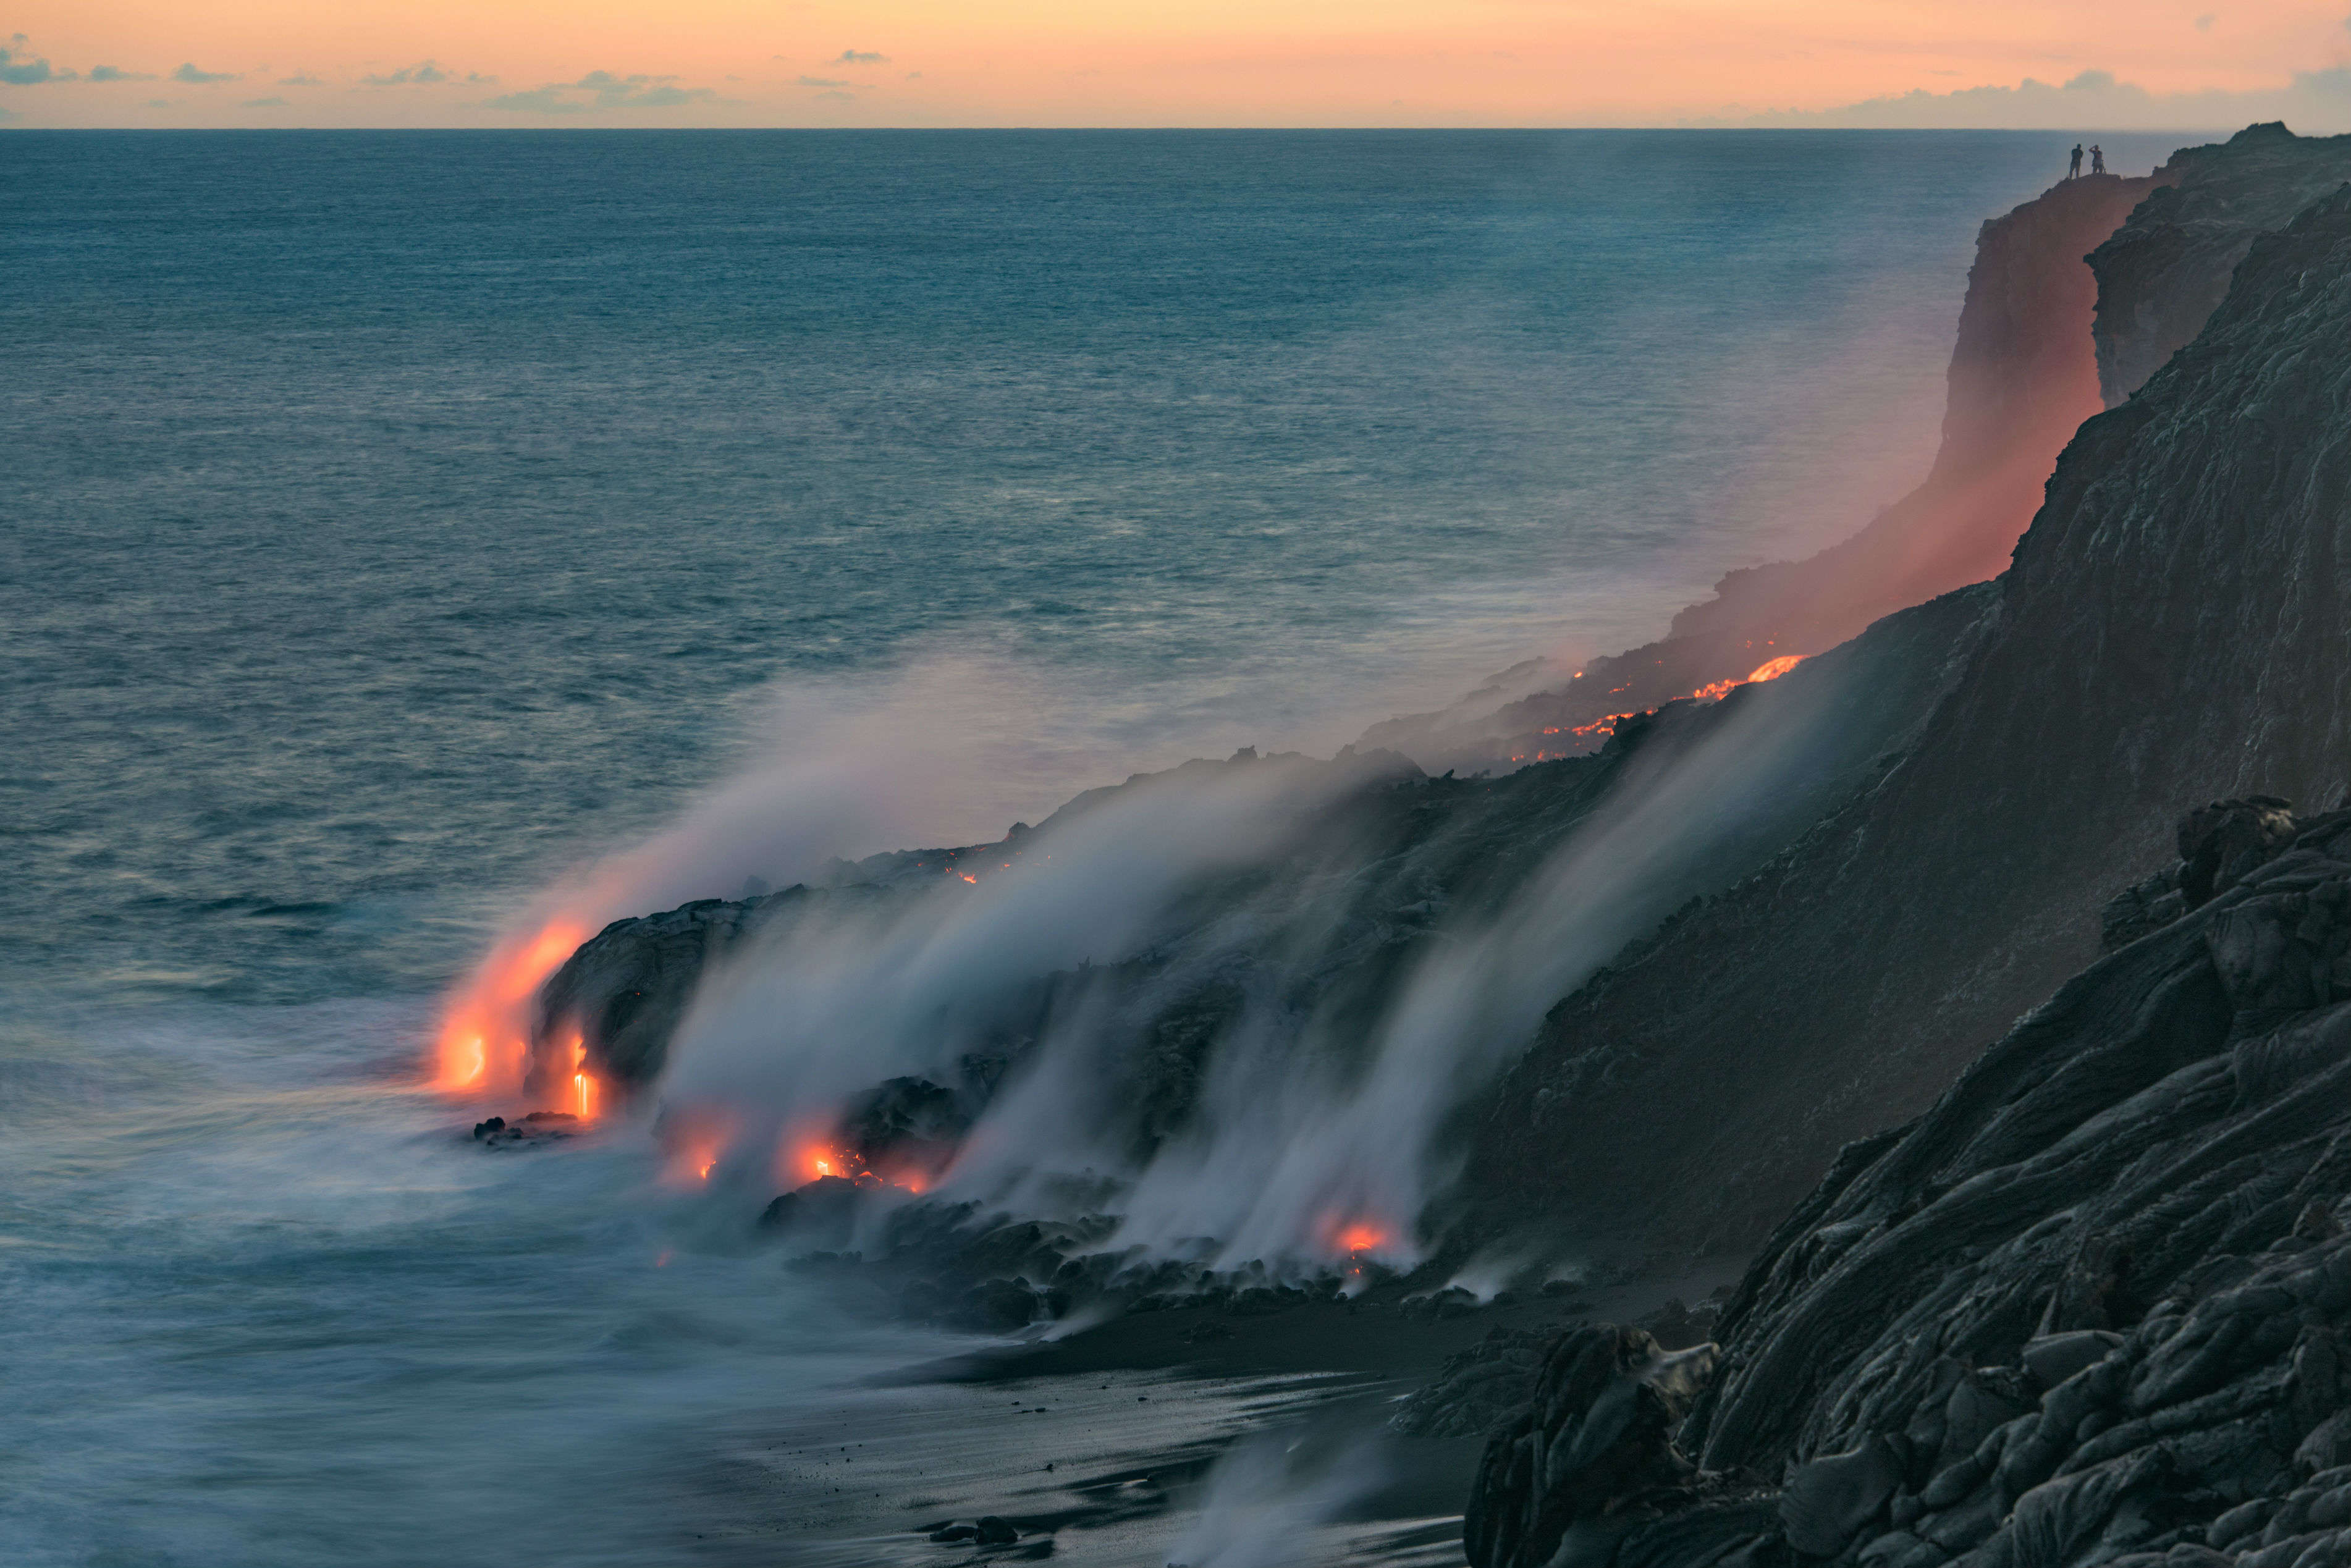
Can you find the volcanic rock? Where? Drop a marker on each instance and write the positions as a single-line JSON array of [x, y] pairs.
[[2092, 1307], [2172, 629], [2162, 273]]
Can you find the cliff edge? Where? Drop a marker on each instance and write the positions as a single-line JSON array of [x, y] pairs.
[[2173, 628]]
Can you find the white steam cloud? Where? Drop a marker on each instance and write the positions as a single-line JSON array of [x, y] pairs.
[[1306, 1124]]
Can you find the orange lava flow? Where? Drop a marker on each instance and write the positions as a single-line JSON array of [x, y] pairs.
[[484, 1033], [1770, 669], [813, 1159], [1362, 1237]]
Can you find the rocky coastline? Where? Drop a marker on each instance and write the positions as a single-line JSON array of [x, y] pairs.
[[2021, 1100]]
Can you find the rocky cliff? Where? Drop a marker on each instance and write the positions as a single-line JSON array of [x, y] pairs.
[[2164, 272], [2094, 1306], [2022, 376], [2173, 627]]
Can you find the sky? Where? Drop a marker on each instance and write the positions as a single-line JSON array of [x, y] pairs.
[[2089, 65]]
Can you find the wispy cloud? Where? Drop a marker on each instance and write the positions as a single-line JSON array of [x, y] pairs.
[[425, 73], [17, 69], [603, 91], [303, 80], [116, 73], [859, 57], [189, 73], [2093, 100], [264, 103], [819, 81]]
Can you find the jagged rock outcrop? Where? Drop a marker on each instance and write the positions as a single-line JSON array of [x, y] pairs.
[[2220, 845], [2173, 627], [2092, 1306], [1592, 1464], [2021, 377], [2164, 272], [628, 986]]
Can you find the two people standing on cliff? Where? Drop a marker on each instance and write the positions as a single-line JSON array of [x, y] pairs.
[[2097, 161]]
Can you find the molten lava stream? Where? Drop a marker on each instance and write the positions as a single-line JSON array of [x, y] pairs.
[[484, 1041]]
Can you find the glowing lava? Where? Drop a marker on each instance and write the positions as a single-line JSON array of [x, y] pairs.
[[485, 1036], [1771, 670], [583, 1083], [813, 1159], [1360, 1237]]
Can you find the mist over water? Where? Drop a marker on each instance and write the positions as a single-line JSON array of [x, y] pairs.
[[410, 530]]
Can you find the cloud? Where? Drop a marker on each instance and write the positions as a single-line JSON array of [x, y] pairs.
[[605, 91], [2311, 102], [18, 71], [2204, 23], [264, 103], [189, 74], [305, 80], [159, 103], [859, 57], [426, 73], [116, 73], [8, 114], [819, 81]]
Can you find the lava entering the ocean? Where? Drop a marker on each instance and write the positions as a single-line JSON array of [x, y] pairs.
[[483, 1042]]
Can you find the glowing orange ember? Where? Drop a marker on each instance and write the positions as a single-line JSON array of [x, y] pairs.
[[695, 1151], [1773, 669], [485, 1033], [815, 1159], [1362, 1237]]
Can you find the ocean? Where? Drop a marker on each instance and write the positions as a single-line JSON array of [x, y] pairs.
[[398, 520]]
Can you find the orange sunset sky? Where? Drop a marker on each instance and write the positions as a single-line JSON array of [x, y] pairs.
[[2089, 65]]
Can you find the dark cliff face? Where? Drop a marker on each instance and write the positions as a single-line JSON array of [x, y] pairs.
[[2174, 628], [2163, 273], [2095, 1306], [2022, 378]]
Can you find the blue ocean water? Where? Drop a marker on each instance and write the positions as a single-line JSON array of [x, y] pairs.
[[392, 519]]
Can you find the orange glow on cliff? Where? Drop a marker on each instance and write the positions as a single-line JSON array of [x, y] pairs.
[[485, 1034]]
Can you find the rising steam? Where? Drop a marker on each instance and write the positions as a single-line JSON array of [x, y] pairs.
[[1310, 1133]]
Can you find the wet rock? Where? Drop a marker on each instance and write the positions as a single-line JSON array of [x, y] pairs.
[[1001, 1306], [1830, 1500], [539, 1127], [2092, 1306], [1478, 1389], [993, 1531], [2225, 843], [906, 1126], [2054, 1358], [823, 1214], [2144, 906], [1599, 1435]]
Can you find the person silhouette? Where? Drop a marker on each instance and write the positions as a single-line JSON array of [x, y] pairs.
[[2073, 170], [2097, 159]]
